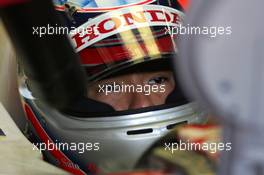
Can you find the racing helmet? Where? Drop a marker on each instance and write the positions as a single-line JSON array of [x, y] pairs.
[[113, 39]]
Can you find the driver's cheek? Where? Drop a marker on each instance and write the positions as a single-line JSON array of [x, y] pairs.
[[119, 101], [159, 98], [141, 100]]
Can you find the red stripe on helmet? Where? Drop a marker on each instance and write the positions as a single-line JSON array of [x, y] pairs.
[[4, 3], [62, 158], [184, 3], [196, 126], [110, 54]]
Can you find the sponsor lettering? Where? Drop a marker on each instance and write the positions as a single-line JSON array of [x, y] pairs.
[[125, 19]]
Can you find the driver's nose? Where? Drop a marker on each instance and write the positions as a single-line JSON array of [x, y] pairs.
[[140, 100]]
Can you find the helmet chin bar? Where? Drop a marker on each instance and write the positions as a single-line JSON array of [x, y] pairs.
[[226, 74]]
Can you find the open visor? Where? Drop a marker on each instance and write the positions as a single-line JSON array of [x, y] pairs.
[[131, 72]]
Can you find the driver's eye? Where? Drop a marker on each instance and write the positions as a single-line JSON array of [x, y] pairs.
[[157, 80]]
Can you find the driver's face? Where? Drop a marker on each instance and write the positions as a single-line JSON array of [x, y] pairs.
[[134, 91]]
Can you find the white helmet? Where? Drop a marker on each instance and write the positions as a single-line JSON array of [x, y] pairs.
[[112, 38]]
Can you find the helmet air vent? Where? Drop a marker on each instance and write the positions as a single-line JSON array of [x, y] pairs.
[[140, 131], [171, 126]]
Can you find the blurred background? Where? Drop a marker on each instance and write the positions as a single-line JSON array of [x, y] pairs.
[[8, 80]]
